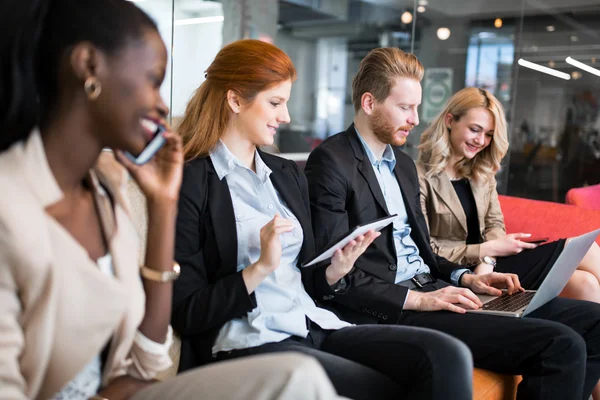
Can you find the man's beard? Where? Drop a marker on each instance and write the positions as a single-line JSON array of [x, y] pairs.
[[385, 131]]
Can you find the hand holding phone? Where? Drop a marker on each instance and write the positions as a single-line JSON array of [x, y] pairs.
[[158, 141], [160, 178], [535, 240]]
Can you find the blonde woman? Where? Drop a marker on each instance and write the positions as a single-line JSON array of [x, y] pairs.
[[460, 153]]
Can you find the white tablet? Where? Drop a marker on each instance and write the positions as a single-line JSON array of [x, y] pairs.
[[375, 225]]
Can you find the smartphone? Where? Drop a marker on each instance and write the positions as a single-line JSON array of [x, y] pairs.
[[535, 240], [151, 148]]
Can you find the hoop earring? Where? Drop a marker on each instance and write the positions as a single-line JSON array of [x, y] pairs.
[[92, 88]]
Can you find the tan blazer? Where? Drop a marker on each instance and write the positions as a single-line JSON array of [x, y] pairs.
[[447, 221], [57, 309]]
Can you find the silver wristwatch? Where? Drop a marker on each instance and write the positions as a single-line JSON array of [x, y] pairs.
[[489, 261]]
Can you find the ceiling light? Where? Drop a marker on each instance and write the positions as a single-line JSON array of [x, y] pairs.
[[201, 20], [546, 70], [575, 75], [583, 66], [423, 2], [443, 33], [406, 18], [574, 38], [498, 23], [550, 28], [421, 9]]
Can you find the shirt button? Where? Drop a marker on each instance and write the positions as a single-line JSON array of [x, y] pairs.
[[392, 267], [270, 206]]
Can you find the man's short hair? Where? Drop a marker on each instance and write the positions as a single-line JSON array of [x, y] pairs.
[[379, 70]]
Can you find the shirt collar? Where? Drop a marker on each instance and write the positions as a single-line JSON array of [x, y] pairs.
[[45, 188], [388, 153], [37, 171], [225, 162]]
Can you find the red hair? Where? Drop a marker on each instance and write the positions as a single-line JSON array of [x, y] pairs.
[[246, 67]]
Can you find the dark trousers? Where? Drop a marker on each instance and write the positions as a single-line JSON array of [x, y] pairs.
[[383, 361], [556, 348]]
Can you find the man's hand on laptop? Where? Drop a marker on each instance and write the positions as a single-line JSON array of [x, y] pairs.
[[443, 299], [492, 283]]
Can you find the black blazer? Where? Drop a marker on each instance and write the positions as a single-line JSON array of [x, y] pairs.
[[344, 192], [210, 291]]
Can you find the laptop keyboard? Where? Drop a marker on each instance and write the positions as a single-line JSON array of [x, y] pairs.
[[510, 303]]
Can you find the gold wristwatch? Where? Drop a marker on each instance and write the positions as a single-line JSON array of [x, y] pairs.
[[160, 276]]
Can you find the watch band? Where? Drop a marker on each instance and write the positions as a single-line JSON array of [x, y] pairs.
[[160, 276]]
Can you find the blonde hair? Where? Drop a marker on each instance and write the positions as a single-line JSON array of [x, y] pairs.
[[246, 67], [378, 71], [435, 148]]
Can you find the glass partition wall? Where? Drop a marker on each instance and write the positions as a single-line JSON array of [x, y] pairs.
[[502, 46]]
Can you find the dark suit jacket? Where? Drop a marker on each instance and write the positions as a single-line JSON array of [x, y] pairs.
[[210, 291], [344, 192]]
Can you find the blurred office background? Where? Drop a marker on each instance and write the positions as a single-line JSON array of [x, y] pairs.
[[554, 122]]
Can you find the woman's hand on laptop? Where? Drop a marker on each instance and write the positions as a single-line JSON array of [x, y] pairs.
[[492, 283], [443, 299], [343, 260]]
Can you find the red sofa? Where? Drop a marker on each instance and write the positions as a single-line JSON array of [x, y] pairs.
[[585, 197], [540, 218], [543, 218]]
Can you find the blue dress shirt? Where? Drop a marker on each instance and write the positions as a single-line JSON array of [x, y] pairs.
[[409, 263], [282, 301]]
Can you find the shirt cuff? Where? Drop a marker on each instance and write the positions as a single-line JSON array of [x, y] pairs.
[[406, 298], [341, 285], [456, 274], [152, 347]]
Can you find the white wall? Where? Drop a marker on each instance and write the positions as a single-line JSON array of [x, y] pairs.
[[194, 48]]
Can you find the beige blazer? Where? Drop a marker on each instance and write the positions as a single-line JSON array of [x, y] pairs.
[[447, 221], [57, 309]]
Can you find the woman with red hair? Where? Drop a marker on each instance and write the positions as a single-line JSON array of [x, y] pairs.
[[243, 229]]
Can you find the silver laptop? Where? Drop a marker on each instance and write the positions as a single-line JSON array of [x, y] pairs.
[[520, 304]]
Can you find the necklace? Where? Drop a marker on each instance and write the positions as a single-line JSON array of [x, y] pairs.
[[452, 178]]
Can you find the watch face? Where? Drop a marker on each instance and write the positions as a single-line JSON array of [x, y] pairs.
[[489, 260]]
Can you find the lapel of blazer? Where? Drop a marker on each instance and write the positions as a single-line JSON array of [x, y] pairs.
[[443, 187], [408, 195], [222, 217], [365, 168], [289, 189], [103, 302], [123, 246]]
